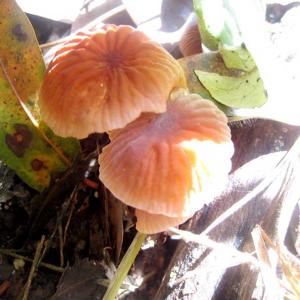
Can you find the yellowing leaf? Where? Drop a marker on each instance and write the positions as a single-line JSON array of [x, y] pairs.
[[26, 145], [244, 91]]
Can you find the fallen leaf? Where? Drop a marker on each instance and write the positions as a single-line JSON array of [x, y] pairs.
[[80, 282], [27, 145]]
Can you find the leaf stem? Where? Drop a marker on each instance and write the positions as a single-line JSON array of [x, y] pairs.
[[124, 266]]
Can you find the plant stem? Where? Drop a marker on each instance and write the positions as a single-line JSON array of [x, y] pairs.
[[42, 264], [124, 267]]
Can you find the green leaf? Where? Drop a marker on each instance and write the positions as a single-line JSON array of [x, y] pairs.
[[244, 91], [237, 57], [27, 145], [216, 24], [210, 62], [219, 31]]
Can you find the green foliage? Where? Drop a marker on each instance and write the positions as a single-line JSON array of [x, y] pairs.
[[237, 57], [245, 91], [26, 144], [234, 82], [216, 24]]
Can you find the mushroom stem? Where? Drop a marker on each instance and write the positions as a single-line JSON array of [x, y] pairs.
[[124, 266]]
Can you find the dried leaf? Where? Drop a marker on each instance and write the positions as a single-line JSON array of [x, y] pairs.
[[80, 282], [271, 281], [290, 265], [26, 144]]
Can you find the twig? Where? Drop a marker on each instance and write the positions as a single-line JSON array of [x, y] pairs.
[[286, 263], [73, 199], [124, 267], [100, 19], [48, 242], [106, 217], [61, 244], [206, 241], [34, 266], [7, 252]]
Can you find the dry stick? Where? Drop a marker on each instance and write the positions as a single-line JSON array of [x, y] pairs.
[[106, 216], [266, 238], [33, 120], [34, 266], [277, 249], [73, 195], [7, 252], [61, 244], [59, 228], [102, 18], [49, 241]]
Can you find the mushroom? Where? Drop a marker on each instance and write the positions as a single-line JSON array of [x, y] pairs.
[[102, 80], [190, 42], [169, 165]]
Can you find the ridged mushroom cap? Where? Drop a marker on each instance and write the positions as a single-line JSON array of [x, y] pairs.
[[102, 80], [171, 163], [190, 42]]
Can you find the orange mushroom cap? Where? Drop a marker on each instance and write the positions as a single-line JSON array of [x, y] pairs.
[[102, 80], [154, 223], [190, 42], [170, 164]]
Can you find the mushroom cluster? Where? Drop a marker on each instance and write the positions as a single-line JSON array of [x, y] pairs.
[[102, 80], [168, 154]]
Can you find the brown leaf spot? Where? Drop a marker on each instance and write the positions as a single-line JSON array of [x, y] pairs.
[[19, 33], [20, 140], [37, 164]]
